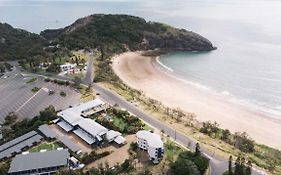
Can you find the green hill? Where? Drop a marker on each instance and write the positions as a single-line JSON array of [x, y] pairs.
[[110, 33], [18, 43], [119, 31]]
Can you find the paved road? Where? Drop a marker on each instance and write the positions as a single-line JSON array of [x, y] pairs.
[[90, 69]]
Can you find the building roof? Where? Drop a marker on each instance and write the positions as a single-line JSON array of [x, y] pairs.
[[70, 116], [120, 140], [67, 127], [92, 127], [153, 140], [16, 145], [88, 105], [47, 131], [69, 144], [73, 115], [39, 160], [17, 140], [111, 135], [88, 139]]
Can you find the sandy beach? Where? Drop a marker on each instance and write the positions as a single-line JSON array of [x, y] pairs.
[[145, 74]]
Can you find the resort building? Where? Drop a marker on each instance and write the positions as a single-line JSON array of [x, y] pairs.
[[47, 132], [19, 144], [39, 163], [151, 143], [85, 109], [90, 131], [72, 120]]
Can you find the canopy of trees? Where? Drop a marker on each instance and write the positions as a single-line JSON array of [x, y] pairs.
[[190, 163]]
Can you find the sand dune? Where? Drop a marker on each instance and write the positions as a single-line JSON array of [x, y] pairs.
[[145, 74]]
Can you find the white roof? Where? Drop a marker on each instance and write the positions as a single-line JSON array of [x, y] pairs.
[[65, 126], [92, 127], [153, 140], [88, 105], [70, 116], [112, 134], [119, 140], [73, 115]]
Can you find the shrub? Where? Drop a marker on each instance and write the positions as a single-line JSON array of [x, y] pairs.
[[243, 142], [63, 94], [47, 79], [35, 89], [10, 118]]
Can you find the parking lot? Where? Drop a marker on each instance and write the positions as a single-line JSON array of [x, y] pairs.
[[16, 95]]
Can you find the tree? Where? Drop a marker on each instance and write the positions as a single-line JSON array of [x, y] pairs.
[[237, 170], [230, 166], [126, 166], [242, 165], [248, 168], [4, 168], [10, 118], [226, 135], [2, 68], [197, 149], [243, 142], [184, 166]]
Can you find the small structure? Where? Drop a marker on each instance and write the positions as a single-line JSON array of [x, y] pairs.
[[39, 163], [70, 144], [47, 132], [116, 137], [151, 143], [75, 164], [67, 67]]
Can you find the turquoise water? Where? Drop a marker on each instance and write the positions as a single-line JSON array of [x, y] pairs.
[[246, 66]]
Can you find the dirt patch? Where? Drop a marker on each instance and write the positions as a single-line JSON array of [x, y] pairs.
[[118, 155]]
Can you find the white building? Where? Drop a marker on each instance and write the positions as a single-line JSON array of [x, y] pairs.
[[151, 143], [72, 120], [67, 67]]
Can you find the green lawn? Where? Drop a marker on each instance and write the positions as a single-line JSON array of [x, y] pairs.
[[119, 123], [47, 146], [147, 128], [172, 150]]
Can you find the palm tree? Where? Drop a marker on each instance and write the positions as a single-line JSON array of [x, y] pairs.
[[230, 165], [197, 149]]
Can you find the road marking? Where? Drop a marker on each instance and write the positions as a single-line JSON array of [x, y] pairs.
[[28, 101]]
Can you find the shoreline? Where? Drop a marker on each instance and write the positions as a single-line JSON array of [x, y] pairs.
[[261, 111], [146, 74]]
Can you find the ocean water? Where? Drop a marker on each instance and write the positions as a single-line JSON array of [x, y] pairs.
[[246, 66]]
